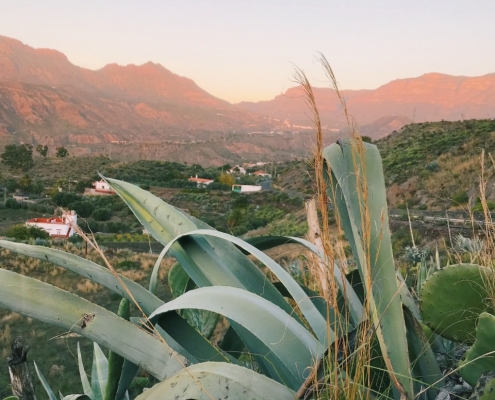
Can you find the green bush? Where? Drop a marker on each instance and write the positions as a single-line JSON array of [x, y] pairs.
[[13, 204], [23, 232], [102, 214], [460, 198]]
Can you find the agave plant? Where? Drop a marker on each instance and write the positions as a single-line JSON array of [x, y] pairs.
[[286, 339]]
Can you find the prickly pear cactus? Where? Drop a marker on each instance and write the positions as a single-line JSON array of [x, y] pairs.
[[478, 358], [452, 299]]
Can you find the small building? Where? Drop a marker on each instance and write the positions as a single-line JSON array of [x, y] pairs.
[[200, 182], [57, 227], [237, 170], [262, 174], [246, 188], [100, 188]]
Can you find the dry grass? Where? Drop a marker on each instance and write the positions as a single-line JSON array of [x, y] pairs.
[[347, 379]]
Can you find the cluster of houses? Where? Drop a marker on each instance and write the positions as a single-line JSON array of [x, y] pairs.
[[64, 226]]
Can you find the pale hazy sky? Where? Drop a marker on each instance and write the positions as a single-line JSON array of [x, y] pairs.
[[246, 49]]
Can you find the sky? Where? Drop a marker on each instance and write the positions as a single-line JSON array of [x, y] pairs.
[[248, 49]]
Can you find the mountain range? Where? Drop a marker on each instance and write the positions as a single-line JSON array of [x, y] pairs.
[[148, 111]]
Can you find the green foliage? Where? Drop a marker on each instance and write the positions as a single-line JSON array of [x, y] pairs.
[[417, 147], [283, 338], [13, 203], [101, 214], [23, 232], [18, 156], [42, 150], [62, 152], [226, 179], [460, 198]]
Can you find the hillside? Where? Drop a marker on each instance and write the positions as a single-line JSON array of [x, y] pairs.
[[148, 112], [430, 97], [434, 165]]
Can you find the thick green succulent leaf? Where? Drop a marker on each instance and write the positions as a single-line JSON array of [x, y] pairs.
[[45, 384], [179, 282], [293, 345], [218, 381], [354, 304], [49, 304], [99, 373], [115, 361], [481, 356], [310, 312], [89, 270], [88, 391], [207, 261], [129, 371], [452, 299], [422, 357], [357, 186], [76, 396]]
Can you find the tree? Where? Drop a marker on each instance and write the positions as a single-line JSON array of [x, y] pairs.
[[226, 179], [18, 156], [23, 232], [25, 183], [38, 187], [42, 150], [62, 152]]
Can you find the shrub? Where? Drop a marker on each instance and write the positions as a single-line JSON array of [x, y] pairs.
[[23, 232], [102, 214]]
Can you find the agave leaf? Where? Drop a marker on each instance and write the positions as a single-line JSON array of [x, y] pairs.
[[89, 270], [422, 356], [211, 380], [129, 371], [148, 301], [49, 304], [294, 346], [179, 282], [311, 313], [372, 246], [76, 396], [207, 261], [88, 391], [354, 304], [45, 384], [99, 373]]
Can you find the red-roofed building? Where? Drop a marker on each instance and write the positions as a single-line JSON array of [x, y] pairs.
[[200, 182], [57, 227]]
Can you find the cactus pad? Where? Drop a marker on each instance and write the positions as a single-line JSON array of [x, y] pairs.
[[476, 361], [452, 299]]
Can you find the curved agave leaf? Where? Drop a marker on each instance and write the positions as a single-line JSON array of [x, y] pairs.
[[88, 391], [179, 283], [372, 246], [89, 270], [218, 381], [148, 301], [310, 312], [208, 262], [49, 304], [99, 373], [293, 345], [354, 304], [45, 384]]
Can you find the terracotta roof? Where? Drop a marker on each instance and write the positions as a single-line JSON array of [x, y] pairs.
[[200, 180], [54, 220]]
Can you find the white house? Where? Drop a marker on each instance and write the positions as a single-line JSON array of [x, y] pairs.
[[99, 188], [200, 182], [57, 227], [246, 188]]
